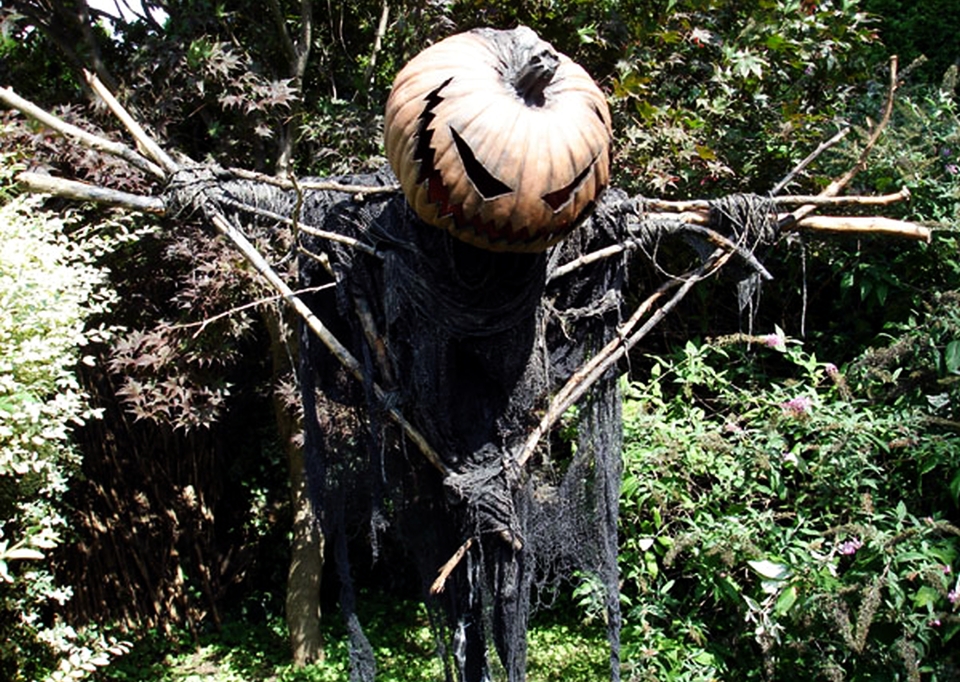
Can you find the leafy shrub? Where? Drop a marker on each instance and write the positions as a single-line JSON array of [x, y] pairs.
[[777, 525], [50, 286], [715, 97]]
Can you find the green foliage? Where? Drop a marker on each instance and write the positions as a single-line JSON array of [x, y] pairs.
[[50, 288], [719, 96], [778, 526], [398, 630], [912, 30]]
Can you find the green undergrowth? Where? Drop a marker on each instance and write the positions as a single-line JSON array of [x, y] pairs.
[[559, 649]]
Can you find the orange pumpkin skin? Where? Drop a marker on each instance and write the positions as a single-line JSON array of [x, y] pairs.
[[498, 139]]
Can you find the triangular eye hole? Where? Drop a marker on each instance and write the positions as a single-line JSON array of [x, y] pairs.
[[558, 198], [483, 180]]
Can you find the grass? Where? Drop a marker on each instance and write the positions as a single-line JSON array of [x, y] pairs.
[[402, 641]]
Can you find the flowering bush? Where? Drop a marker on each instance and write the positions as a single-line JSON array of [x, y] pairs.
[[50, 287], [778, 525]]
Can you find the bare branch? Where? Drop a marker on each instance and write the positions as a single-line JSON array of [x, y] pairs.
[[821, 148], [444, 573], [14, 101], [864, 225], [204, 323], [788, 200], [144, 142], [594, 369], [82, 191], [835, 187], [321, 186]]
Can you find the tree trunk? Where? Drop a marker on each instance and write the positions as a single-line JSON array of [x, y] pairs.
[[307, 546], [306, 567]]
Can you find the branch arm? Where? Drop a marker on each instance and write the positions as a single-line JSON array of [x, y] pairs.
[[70, 131], [144, 141], [82, 191]]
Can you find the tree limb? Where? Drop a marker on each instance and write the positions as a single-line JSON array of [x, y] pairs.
[[837, 185], [70, 131], [82, 191], [593, 370]]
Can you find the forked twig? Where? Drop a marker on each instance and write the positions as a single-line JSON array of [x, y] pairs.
[[166, 166], [592, 371], [837, 185]]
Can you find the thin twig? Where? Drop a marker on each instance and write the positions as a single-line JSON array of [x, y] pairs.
[[300, 227], [823, 146], [835, 187], [70, 131], [204, 323], [708, 234], [318, 185]]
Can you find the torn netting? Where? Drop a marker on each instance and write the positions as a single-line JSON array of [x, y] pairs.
[[469, 345]]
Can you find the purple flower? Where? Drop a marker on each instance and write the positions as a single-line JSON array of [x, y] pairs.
[[797, 407], [935, 623], [791, 458], [850, 547], [771, 340], [953, 596], [952, 169], [831, 370]]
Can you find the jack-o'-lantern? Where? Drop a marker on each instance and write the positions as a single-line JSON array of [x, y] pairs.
[[498, 138]]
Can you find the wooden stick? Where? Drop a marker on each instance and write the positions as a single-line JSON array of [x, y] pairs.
[[444, 573], [818, 200], [337, 349], [835, 224], [863, 225], [144, 141], [590, 372], [837, 185], [82, 191], [260, 264], [301, 227], [319, 185], [70, 131], [821, 148]]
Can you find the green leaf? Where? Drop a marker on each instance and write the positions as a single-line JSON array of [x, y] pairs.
[[770, 570], [786, 600], [951, 357], [925, 596]]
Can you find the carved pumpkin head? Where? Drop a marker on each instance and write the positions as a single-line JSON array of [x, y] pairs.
[[499, 139]]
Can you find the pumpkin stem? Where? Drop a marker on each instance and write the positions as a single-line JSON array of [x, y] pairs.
[[535, 75]]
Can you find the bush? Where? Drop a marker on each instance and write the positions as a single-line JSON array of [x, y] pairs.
[[50, 287], [777, 525]]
